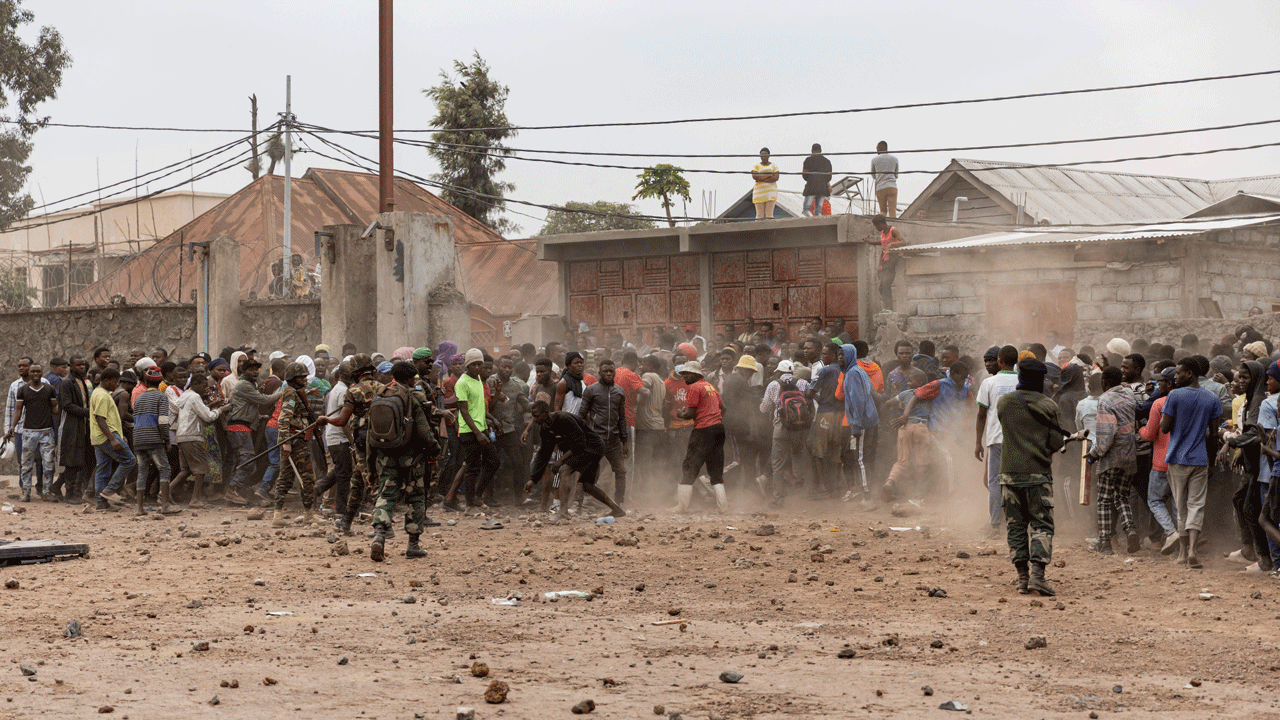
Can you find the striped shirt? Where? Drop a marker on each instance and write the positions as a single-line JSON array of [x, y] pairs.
[[150, 420], [764, 192]]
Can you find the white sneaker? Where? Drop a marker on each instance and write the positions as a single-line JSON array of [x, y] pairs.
[[848, 496]]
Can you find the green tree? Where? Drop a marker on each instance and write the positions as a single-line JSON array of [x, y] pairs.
[[663, 182], [14, 291], [472, 121], [577, 217], [29, 75]]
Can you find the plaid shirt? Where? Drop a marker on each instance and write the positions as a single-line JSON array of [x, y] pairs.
[[1115, 443]]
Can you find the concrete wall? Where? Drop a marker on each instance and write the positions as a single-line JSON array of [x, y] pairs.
[[289, 325]]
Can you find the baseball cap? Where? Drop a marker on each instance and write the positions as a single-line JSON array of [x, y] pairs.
[[1168, 373], [385, 367], [691, 327], [785, 366]]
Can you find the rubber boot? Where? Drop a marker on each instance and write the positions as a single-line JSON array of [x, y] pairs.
[[308, 516], [684, 495], [167, 507], [1037, 583], [1024, 577], [722, 498], [377, 549], [414, 550], [277, 520]]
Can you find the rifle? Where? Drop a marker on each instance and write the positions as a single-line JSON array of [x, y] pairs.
[[283, 441]]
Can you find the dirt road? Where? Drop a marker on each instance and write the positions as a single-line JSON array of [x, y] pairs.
[[178, 610]]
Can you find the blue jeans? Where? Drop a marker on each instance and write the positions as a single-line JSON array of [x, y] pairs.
[[995, 499], [1272, 547], [1160, 499], [104, 480], [156, 458], [813, 205], [34, 441], [273, 461]]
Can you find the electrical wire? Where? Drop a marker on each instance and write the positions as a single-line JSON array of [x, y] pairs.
[[903, 106], [85, 126], [970, 148]]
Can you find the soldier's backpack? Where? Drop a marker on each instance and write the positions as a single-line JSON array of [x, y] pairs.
[[389, 421], [793, 409]]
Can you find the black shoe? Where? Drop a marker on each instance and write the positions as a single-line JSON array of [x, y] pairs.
[[376, 550], [1038, 584], [414, 550], [104, 505], [428, 522], [1135, 542]]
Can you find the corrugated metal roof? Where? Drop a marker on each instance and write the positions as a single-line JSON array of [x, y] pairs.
[[507, 278], [1066, 236]]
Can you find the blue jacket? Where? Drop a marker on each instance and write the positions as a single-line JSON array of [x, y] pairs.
[[859, 398]]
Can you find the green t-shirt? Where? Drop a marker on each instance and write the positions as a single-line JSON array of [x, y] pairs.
[[101, 404], [471, 391]]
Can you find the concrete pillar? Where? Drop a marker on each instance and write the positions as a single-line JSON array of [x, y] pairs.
[[418, 301], [223, 297], [348, 289], [708, 330]]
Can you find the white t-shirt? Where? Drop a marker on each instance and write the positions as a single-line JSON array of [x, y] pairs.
[[988, 395], [333, 435]]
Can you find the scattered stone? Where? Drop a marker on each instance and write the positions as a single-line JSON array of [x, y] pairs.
[[343, 660], [764, 530], [466, 713], [104, 709], [937, 592], [584, 707], [792, 578], [443, 601], [928, 691], [73, 630], [340, 548], [479, 669], [1036, 603], [1093, 715], [409, 599], [1036, 642], [269, 681], [659, 710], [1257, 595], [847, 653], [496, 693], [962, 555], [202, 646], [935, 644], [12, 584], [215, 700], [259, 582], [256, 514], [1195, 682], [1117, 689], [730, 676], [27, 670], [194, 604], [248, 629], [953, 705]]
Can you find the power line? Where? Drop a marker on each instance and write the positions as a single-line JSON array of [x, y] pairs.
[[970, 148], [86, 126], [993, 168], [903, 106]]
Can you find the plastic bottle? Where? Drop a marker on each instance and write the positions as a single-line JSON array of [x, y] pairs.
[[606, 520]]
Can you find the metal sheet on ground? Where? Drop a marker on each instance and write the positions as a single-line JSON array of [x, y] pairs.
[[29, 551]]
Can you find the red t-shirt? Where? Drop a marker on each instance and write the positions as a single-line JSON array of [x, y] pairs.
[[677, 392], [629, 382], [705, 401]]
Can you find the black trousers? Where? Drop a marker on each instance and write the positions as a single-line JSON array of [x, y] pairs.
[[482, 464], [339, 476], [706, 447]]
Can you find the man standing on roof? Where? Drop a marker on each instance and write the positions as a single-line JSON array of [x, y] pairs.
[[884, 170], [817, 181]]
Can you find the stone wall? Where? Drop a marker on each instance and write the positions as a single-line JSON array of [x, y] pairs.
[[43, 334], [292, 326], [1144, 291]]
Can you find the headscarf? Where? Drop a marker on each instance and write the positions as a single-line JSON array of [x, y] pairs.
[[444, 354], [1031, 375], [1256, 392], [1257, 349], [572, 382], [402, 353], [859, 398], [422, 354], [310, 365], [217, 363], [1026, 355], [237, 357]]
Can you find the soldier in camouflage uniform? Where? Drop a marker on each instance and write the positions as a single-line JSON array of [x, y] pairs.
[[295, 457], [1032, 434], [424, 391], [355, 409], [396, 471]]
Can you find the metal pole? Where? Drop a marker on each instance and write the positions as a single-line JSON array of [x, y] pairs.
[[288, 195], [205, 265], [386, 165]]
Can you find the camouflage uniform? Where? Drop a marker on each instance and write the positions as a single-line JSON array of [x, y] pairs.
[[296, 414], [397, 470], [1028, 505], [423, 393], [359, 396]]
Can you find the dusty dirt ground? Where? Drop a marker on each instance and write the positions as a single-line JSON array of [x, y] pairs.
[[1123, 635]]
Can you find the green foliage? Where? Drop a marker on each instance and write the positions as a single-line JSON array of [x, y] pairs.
[[472, 121], [593, 217], [29, 75], [663, 182], [14, 291]]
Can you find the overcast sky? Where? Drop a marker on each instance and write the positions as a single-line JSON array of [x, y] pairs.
[[187, 64]]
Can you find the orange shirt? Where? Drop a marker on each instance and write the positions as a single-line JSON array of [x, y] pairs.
[[705, 401]]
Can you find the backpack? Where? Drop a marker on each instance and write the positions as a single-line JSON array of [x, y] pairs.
[[793, 409], [389, 421]]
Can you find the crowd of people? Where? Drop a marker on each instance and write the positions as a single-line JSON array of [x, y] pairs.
[[1170, 436]]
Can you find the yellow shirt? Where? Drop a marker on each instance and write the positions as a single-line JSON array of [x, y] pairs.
[[101, 404], [764, 192]]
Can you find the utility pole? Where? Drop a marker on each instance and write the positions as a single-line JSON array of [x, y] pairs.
[[253, 139], [288, 198], [386, 165]]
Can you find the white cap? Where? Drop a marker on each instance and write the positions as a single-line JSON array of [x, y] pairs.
[[785, 367]]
